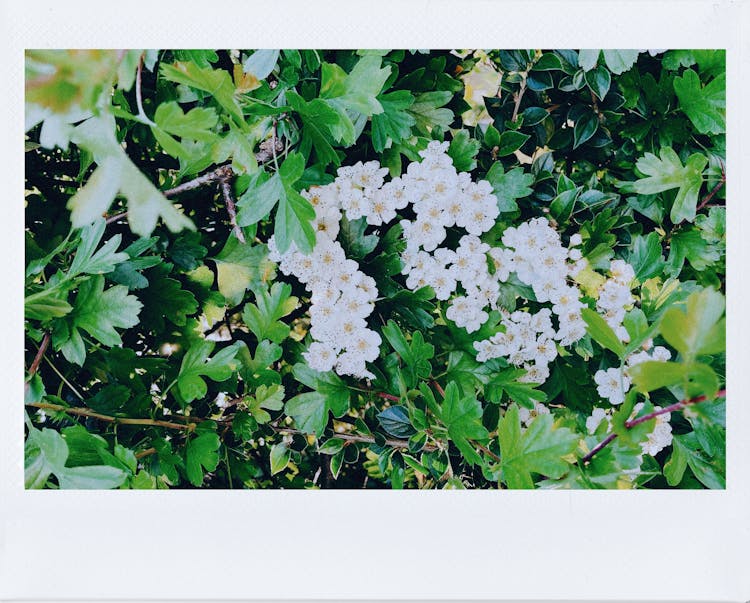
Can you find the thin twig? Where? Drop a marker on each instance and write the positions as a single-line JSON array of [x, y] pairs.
[[517, 96], [226, 191], [488, 452], [713, 191], [388, 396], [138, 95], [147, 452], [221, 173], [84, 412], [437, 386], [348, 437], [652, 415], [39, 355]]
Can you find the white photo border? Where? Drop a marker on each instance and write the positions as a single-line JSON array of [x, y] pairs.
[[507, 545]]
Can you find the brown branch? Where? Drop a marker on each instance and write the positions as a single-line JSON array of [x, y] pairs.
[[349, 437], [388, 396], [223, 172], [84, 412], [517, 96], [147, 452], [713, 191], [39, 355], [437, 386], [488, 452], [652, 415], [226, 191]]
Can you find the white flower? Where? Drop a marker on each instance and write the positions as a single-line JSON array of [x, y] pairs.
[[527, 415], [597, 416], [320, 356], [612, 384]]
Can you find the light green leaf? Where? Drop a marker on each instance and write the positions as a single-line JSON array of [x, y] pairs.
[[541, 449], [357, 91], [261, 62], [91, 477], [196, 124], [201, 452], [394, 124], [509, 186], [100, 312], [428, 113], [620, 61], [667, 172], [238, 266], [463, 418], [262, 317], [704, 105], [463, 150], [280, 456], [696, 328], [196, 365], [217, 82], [601, 332]]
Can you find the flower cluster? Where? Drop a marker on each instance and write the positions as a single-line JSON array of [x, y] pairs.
[[535, 253], [658, 439], [615, 297], [342, 297], [614, 383]]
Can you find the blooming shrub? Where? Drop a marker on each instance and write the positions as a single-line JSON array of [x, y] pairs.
[[339, 269]]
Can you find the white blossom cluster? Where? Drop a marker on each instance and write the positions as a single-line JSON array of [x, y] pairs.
[[535, 253], [614, 383], [527, 415], [615, 297], [342, 296], [657, 440]]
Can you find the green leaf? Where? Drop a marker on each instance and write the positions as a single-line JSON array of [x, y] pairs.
[[357, 91], [706, 470], [238, 266], [261, 62], [116, 173], [394, 124], [321, 126], [395, 421], [100, 312], [262, 317], [265, 398], [697, 327], [416, 354], [463, 418], [196, 365], [510, 142], [353, 239], [279, 456], [531, 117], [217, 82], [586, 126], [310, 410], [463, 150], [541, 449], [646, 256], [165, 298], [202, 452], [704, 105], [598, 80], [196, 124], [91, 477], [428, 114], [509, 186], [522, 393], [46, 304], [650, 375], [620, 61], [101, 262], [588, 58], [666, 172], [602, 333], [675, 466]]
